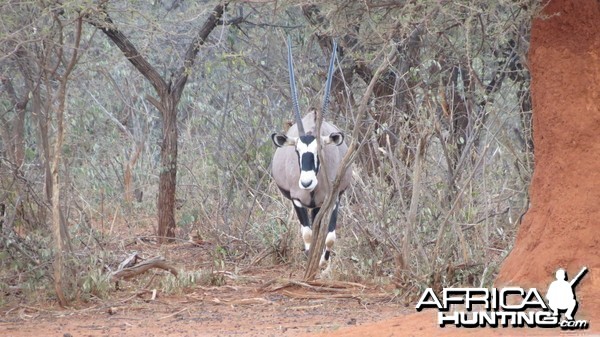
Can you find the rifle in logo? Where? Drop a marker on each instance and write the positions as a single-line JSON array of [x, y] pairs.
[[561, 293]]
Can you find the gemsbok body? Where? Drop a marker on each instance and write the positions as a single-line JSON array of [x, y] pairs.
[[297, 165]]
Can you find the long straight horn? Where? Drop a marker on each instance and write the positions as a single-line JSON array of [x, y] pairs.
[[293, 89], [329, 76]]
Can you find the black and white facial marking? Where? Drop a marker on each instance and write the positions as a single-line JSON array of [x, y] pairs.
[[308, 159]]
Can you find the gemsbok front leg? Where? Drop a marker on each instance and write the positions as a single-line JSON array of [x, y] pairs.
[[305, 224], [330, 239]]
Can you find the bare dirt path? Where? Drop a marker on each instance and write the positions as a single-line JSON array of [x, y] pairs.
[[236, 309], [258, 303]]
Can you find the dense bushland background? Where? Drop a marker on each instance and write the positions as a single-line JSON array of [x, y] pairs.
[[439, 185]]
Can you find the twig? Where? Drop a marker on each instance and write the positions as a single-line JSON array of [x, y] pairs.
[[318, 286], [446, 219], [263, 254], [243, 301], [336, 284], [174, 314], [319, 296], [137, 294], [305, 307]]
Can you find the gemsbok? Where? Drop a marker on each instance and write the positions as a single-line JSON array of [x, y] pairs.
[[296, 163]]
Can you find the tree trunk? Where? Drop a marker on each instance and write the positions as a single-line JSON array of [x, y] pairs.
[[57, 224], [59, 230], [42, 121], [16, 144], [170, 95], [168, 175]]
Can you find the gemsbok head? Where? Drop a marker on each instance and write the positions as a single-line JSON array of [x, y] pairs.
[[296, 163]]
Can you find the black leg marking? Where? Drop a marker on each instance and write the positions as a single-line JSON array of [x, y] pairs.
[[302, 216], [333, 220], [329, 241], [305, 222], [313, 213], [312, 200]]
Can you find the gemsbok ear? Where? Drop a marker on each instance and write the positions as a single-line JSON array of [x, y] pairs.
[[279, 139], [336, 138]]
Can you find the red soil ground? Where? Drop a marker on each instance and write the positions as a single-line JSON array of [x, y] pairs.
[[560, 230], [256, 301]]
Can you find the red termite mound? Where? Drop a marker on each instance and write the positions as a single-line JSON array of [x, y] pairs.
[[562, 227]]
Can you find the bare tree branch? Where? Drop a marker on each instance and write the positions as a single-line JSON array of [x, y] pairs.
[[183, 72], [106, 25]]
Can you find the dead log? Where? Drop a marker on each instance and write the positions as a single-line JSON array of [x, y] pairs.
[[155, 262]]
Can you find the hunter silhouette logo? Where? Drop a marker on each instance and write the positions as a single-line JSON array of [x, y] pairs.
[[508, 306], [561, 293]]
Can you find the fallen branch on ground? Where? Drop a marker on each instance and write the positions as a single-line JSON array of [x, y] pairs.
[[360, 297], [313, 296], [243, 301], [155, 262], [316, 285]]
